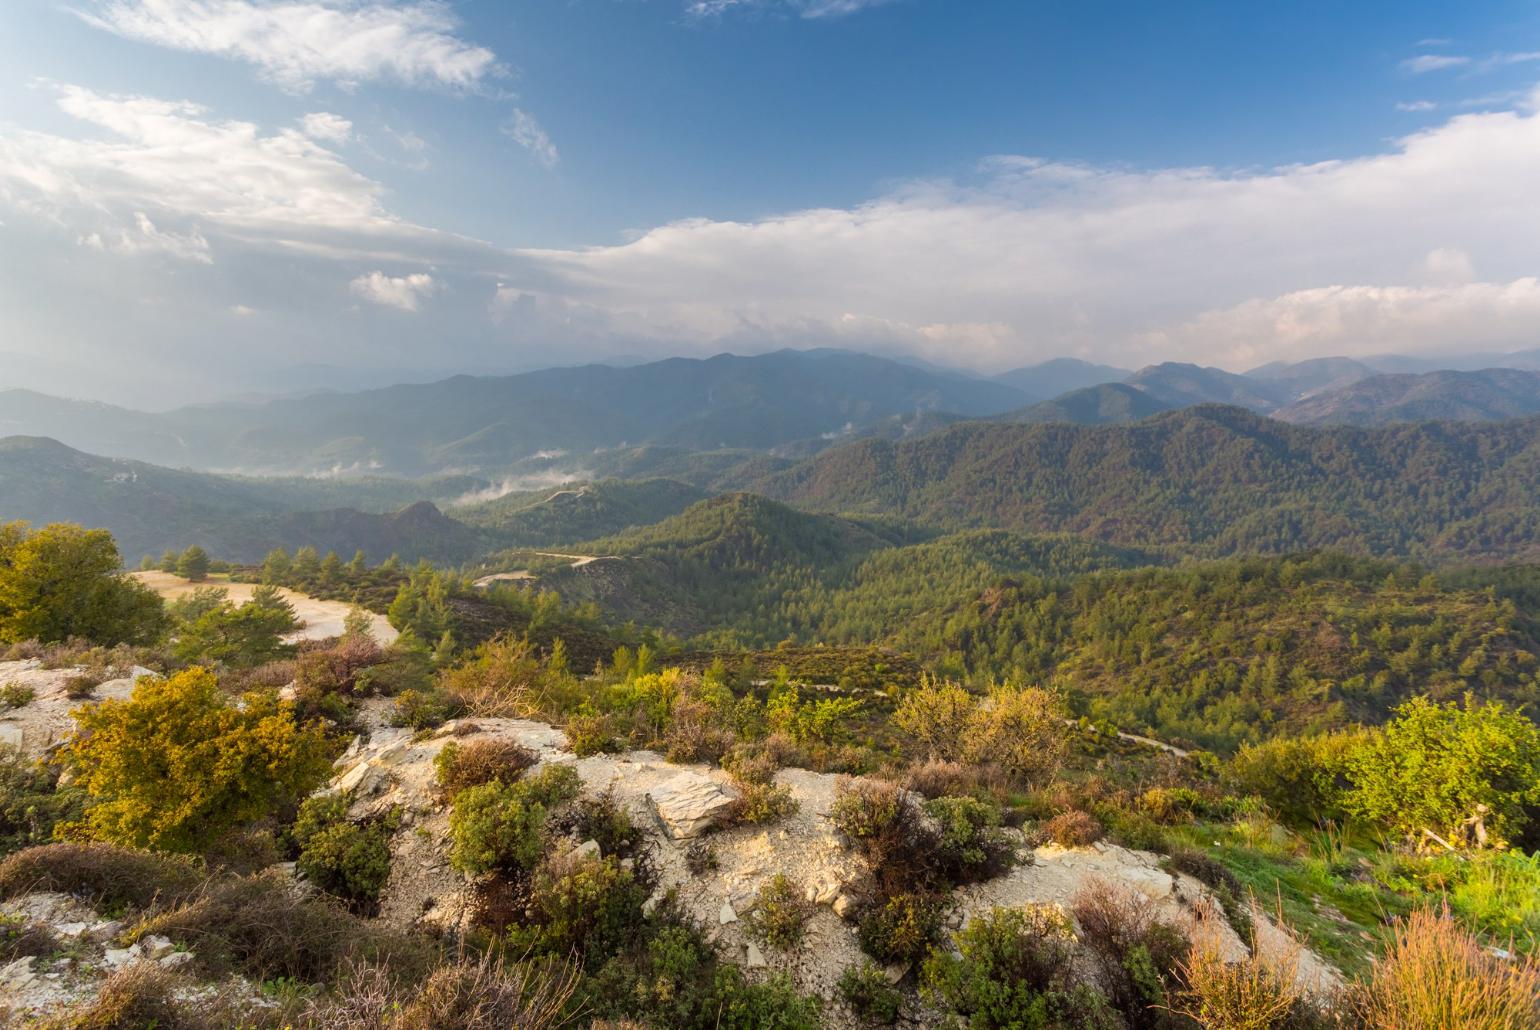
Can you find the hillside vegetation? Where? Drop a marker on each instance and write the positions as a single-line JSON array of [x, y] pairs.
[[1207, 481]]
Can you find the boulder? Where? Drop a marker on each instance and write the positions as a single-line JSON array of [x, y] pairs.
[[689, 803]]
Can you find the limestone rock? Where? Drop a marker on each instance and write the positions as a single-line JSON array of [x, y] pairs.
[[689, 803], [755, 958], [17, 975], [727, 914]]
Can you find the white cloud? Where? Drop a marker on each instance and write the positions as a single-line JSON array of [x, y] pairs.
[[327, 127], [403, 292], [524, 130], [1366, 321], [145, 238], [1424, 63], [1038, 258], [1415, 105], [299, 42]]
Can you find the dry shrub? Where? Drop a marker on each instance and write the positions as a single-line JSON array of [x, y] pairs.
[[319, 672], [502, 679], [465, 995], [694, 732], [1255, 993], [481, 761], [258, 926], [885, 824], [112, 877], [19, 939], [758, 761], [760, 803], [1073, 829], [1136, 952], [138, 995], [267, 676], [82, 687], [1436, 974], [936, 779], [1022, 730]]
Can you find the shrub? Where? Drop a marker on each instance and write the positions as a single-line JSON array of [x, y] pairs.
[[138, 995], [243, 636], [466, 995], [338, 669], [589, 733], [1227, 887], [1302, 779], [347, 860], [1171, 804], [700, 857], [31, 804], [603, 820], [502, 825], [1463, 773], [933, 720], [585, 906], [1021, 729], [16, 695], [866, 990], [1136, 952], [971, 847], [1435, 974], [1073, 829], [178, 766], [111, 877], [1255, 993], [82, 687], [885, 824], [735, 1004], [1014, 969], [459, 766], [426, 709], [903, 928], [760, 803], [20, 938], [935, 779], [502, 678], [259, 927], [780, 914]]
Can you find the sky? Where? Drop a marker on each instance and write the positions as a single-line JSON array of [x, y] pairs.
[[214, 198]]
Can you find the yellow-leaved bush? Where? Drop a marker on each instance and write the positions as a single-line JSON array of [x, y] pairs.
[[180, 764]]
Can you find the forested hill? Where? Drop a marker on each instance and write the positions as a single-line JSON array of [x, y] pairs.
[[1209, 480]]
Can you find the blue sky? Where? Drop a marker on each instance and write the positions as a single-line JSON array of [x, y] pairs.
[[205, 196]]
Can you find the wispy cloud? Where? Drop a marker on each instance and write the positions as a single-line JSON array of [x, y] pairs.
[[299, 42], [810, 9], [403, 292], [1424, 63], [526, 131], [1415, 105]]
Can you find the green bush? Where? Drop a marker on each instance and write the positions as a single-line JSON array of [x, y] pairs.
[[866, 990], [971, 847], [179, 765], [426, 709], [1137, 954], [502, 825], [1301, 779], [1460, 772], [590, 907], [31, 804], [760, 803], [903, 928], [780, 914], [347, 860], [16, 695], [1014, 969]]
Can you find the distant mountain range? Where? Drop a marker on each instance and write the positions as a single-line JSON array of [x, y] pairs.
[[655, 419]]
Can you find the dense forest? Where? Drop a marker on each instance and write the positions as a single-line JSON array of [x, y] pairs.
[[1206, 480]]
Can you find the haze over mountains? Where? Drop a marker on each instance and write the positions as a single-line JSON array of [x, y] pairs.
[[791, 403]]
